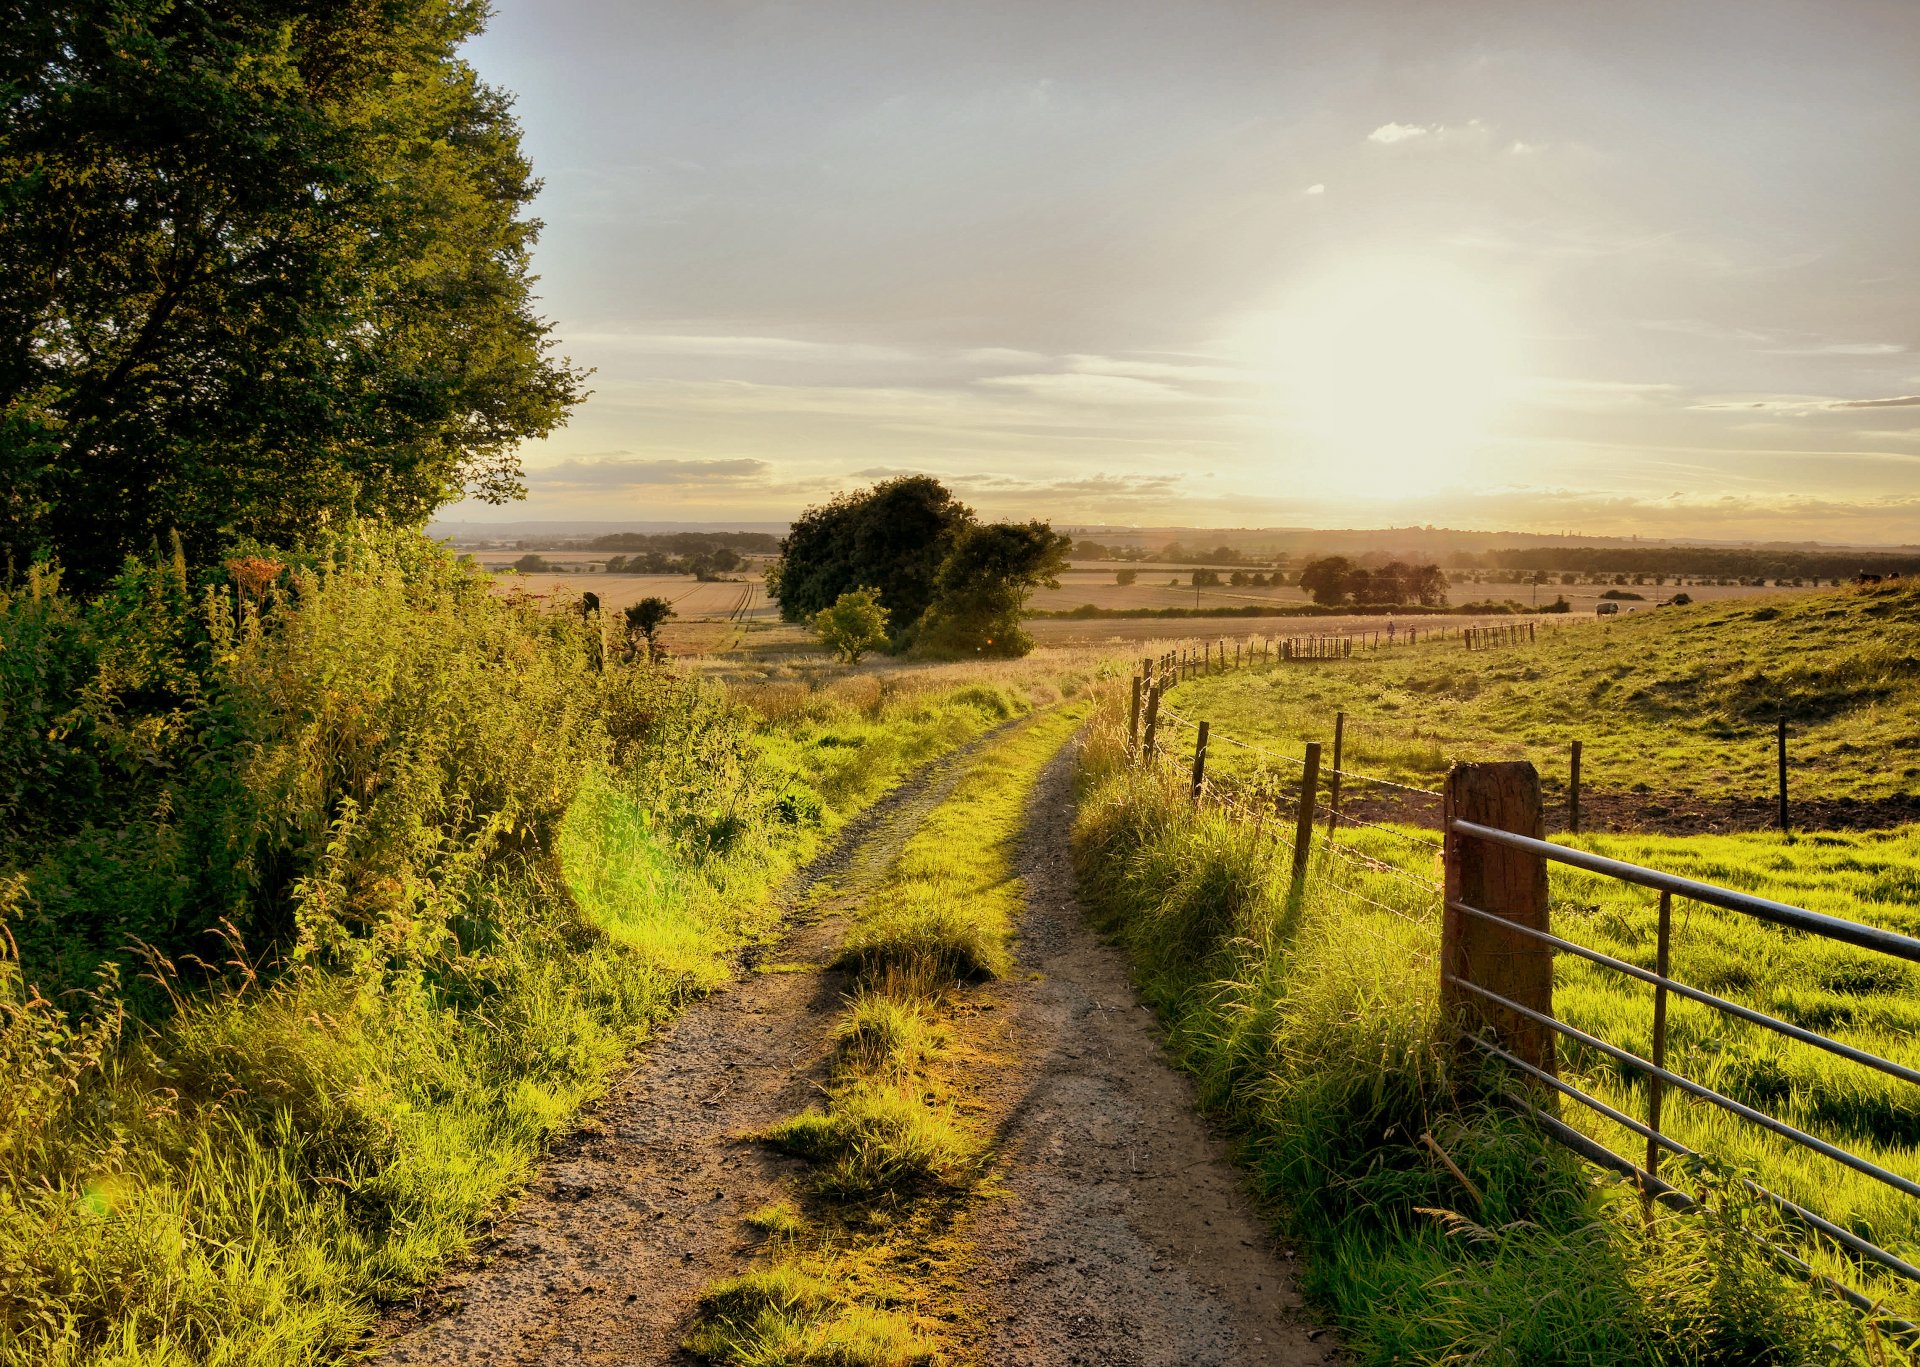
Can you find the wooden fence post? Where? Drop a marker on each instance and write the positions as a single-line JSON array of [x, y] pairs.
[[1133, 723], [1785, 827], [1573, 789], [1303, 828], [1199, 761], [1153, 718], [1333, 778], [1504, 882]]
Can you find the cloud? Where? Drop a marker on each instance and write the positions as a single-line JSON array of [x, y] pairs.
[[608, 473], [1088, 388], [1001, 355], [738, 347], [1314, 190], [1841, 349], [1390, 133], [1800, 405], [1904, 401]]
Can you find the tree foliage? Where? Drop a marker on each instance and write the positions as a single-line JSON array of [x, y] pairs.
[[985, 583], [854, 624], [261, 265], [1334, 580], [891, 538], [644, 620]]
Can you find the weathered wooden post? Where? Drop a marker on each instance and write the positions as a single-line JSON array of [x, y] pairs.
[[1478, 956], [1153, 718], [1133, 723], [1199, 761], [1573, 789], [1785, 827], [1303, 828], [1333, 778]]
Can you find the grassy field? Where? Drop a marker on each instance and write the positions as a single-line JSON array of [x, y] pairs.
[[447, 874], [1680, 702], [1442, 1230]]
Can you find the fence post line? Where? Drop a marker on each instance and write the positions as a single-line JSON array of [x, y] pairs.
[[1153, 718], [1510, 884], [1573, 789], [1333, 778], [1656, 1086], [1133, 723], [1303, 828], [1199, 761], [1785, 827]]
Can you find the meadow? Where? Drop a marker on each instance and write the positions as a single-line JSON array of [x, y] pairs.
[[1437, 1226], [337, 885], [1675, 704]]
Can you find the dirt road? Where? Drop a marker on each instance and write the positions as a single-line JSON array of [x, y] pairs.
[[1115, 1235]]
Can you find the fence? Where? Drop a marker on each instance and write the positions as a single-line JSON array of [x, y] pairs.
[[1497, 953], [1504, 634]]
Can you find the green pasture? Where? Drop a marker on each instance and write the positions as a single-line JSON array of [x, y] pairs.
[[1679, 701]]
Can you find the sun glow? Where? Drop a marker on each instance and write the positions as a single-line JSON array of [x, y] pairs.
[[1394, 373]]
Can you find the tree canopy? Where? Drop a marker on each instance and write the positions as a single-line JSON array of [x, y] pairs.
[[984, 584], [261, 264], [891, 538]]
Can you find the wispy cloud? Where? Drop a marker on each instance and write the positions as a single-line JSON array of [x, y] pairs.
[[1391, 133], [619, 471], [1904, 401]]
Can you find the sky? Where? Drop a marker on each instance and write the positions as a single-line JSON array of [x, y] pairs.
[[1647, 268]]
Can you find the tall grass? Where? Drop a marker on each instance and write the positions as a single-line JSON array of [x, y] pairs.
[[1311, 1029], [337, 887]]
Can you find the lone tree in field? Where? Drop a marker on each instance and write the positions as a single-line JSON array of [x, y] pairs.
[[891, 538], [261, 266], [1125, 578], [644, 620], [853, 625], [984, 585]]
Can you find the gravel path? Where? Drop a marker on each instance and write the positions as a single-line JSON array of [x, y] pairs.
[[1124, 1239], [628, 1219], [1118, 1236]]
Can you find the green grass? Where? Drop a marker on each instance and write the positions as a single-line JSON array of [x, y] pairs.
[[1312, 1030], [457, 873], [892, 1163], [1682, 701], [1862, 999], [782, 1316]]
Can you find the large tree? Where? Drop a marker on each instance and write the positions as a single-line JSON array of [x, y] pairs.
[[891, 538], [262, 262], [984, 585]]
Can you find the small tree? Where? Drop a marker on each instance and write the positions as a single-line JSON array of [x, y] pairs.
[[1328, 579], [984, 584], [1125, 577], [532, 564], [853, 625], [644, 620]]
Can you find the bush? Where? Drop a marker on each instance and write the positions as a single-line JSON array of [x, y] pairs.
[[854, 624]]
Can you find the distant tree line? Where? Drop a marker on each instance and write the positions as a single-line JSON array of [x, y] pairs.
[[1736, 563], [1335, 580], [948, 584], [679, 543]]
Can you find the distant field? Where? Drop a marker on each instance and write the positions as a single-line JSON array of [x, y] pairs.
[[1674, 704], [1093, 582]]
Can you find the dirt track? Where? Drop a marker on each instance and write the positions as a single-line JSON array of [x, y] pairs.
[[1117, 1234]]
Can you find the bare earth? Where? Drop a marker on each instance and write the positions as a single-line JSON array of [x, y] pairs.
[[1118, 1235]]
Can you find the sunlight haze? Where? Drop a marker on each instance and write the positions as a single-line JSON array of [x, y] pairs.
[[1623, 268]]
